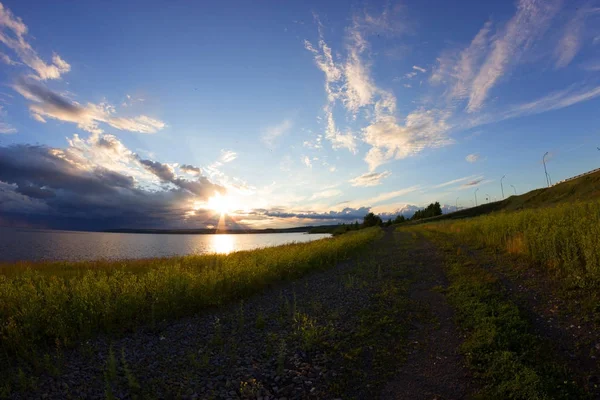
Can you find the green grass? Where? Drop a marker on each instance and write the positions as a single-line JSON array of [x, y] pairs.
[[563, 239], [59, 302], [585, 188], [500, 346]]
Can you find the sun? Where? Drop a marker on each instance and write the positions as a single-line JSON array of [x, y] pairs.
[[221, 204]]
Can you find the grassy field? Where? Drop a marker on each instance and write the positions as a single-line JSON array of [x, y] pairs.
[[59, 303], [500, 346], [563, 239]]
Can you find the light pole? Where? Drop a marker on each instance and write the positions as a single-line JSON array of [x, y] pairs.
[[545, 170], [502, 186], [513, 186], [456, 204], [487, 197], [476, 196]]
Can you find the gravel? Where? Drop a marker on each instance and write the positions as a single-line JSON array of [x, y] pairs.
[[260, 348]]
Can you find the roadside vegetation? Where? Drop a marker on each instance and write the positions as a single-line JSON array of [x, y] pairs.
[[564, 240], [56, 304], [501, 346]]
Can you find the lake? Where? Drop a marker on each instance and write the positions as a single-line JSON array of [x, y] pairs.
[[34, 244]]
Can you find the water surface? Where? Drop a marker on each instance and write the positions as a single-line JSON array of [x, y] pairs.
[[34, 244]]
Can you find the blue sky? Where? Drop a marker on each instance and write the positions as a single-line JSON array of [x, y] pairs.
[[283, 114]]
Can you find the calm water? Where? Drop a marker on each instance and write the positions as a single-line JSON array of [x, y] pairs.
[[29, 244]]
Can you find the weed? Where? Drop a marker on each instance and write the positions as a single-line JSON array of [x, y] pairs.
[[281, 354], [44, 301], [260, 321], [132, 383]]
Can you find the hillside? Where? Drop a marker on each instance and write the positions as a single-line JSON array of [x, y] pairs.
[[586, 187]]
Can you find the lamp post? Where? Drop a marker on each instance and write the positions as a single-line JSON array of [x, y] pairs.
[[456, 203], [476, 196], [502, 186], [545, 170], [513, 186]]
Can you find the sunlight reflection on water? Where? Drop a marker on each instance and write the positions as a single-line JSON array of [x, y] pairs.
[[32, 244], [223, 243]]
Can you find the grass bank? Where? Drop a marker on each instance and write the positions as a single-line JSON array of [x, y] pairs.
[[564, 239], [501, 346], [60, 303]]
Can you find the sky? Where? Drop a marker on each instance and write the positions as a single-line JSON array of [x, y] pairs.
[[145, 114]]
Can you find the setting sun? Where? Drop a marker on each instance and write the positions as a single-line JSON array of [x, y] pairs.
[[221, 204]]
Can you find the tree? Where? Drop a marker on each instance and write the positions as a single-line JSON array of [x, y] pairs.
[[389, 222], [399, 219], [371, 220], [430, 211]]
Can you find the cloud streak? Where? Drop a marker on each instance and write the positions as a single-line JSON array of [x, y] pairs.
[[12, 35], [369, 179], [48, 104]]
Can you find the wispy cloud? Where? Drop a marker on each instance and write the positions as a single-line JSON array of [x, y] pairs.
[[370, 179], [7, 60], [349, 81], [553, 101], [228, 155], [12, 35], [48, 104], [7, 128], [529, 23], [453, 182], [307, 162], [326, 194], [473, 182], [571, 41], [472, 158], [273, 133]]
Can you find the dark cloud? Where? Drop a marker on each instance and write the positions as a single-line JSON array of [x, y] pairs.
[[201, 187], [472, 183], [190, 169], [45, 186], [347, 214]]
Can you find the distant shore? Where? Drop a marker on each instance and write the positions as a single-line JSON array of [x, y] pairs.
[[299, 229]]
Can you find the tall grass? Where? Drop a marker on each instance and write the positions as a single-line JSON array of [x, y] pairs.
[[49, 303], [565, 238]]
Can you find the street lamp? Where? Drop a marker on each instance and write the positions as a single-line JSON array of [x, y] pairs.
[[476, 196], [513, 186], [545, 170], [456, 204], [502, 186]]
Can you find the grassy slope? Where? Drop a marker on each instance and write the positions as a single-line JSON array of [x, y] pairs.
[[580, 189]]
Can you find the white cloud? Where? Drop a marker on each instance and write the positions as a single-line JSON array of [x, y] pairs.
[[272, 133], [7, 60], [12, 35], [553, 101], [307, 162], [410, 75], [228, 155], [326, 194], [369, 179], [570, 42], [350, 82], [420, 130], [472, 158], [592, 66], [7, 128], [524, 28], [453, 182], [48, 104]]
